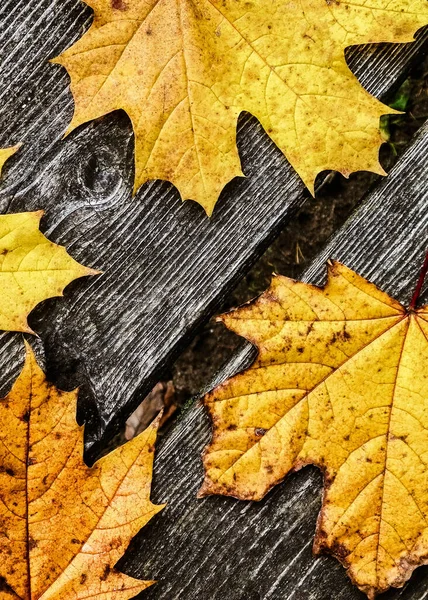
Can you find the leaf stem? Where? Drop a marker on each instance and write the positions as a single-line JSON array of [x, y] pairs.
[[419, 285]]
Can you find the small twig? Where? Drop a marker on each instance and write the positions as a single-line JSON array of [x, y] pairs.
[[299, 254]]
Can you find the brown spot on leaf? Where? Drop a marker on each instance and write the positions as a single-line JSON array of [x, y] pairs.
[[32, 543], [339, 550], [119, 5], [5, 587]]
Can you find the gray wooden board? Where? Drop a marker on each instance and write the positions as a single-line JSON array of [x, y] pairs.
[[221, 548], [166, 265]]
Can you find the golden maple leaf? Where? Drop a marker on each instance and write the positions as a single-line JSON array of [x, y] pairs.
[[6, 153], [340, 381], [31, 269], [184, 70], [63, 525]]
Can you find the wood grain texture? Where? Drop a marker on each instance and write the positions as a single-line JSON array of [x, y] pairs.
[[166, 269], [218, 547], [166, 266]]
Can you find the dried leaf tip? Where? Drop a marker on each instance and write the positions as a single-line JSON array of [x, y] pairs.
[[6, 153]]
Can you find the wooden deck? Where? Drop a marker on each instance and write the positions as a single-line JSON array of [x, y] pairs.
[[167, 269]]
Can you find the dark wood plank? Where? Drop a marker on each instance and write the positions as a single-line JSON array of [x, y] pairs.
[[217, 547], [166, 266]]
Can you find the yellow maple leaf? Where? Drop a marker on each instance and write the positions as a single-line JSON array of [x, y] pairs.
[[184, 70], [6, 153], [340, 381], [63, 525], [31, 269]]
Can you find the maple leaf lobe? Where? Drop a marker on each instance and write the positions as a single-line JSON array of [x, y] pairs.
[[340, 382], [184, 70], [32, 269]]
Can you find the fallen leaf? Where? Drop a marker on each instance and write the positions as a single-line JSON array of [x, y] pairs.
[[184, 70], [65, 525], [6, 153], [31, 269], [341, 382]]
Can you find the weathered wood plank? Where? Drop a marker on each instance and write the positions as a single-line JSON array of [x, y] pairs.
[[166, 266], [218, 548], [166, 269]]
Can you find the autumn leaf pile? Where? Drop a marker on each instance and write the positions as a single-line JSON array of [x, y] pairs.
[[340, 380]]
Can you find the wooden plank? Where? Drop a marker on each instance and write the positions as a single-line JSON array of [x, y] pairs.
[[166, 266], [217, 547]]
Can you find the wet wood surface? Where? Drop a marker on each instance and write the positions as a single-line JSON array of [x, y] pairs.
[[166, 269]]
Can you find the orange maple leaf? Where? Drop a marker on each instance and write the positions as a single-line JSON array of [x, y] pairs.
[[63, 525]]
